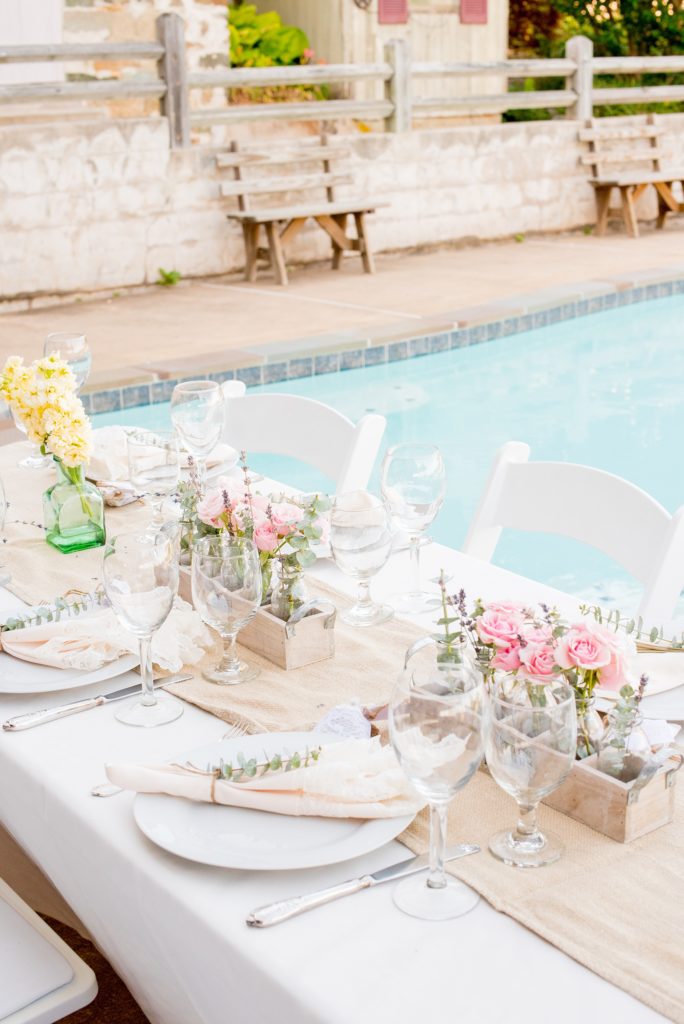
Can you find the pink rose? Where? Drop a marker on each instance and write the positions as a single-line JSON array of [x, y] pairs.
[[583, 648], [265, 537], [507, 658], [617, 672], [501, 628], [324, 526], [211, 507], [285, 517], [537, 634], [538, 659]]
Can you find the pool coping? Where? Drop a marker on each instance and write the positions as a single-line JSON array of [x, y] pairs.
[[276, 362]]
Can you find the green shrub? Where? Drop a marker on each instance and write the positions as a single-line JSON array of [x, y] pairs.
[[261, 40]]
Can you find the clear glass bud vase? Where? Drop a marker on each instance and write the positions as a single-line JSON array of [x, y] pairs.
[[624, 750], [73, 510], [290, 591], [590, 727]]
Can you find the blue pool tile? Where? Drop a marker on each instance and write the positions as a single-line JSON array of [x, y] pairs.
[[541, 317], [526, 322], [678, 287], [459, 338], [329, 363], [638, 294], [511, 325], [566, 311], [397, 350], [161, 390], [375, 355], [274, 373], [419, 346], [302, 367], [477, 334], [651, 291], [582, 307], [107, 401], [222, 376], [493, 330], [610, 301], [251, 375], [135, 394], [352, 359], [664, 289], [439, 342], [87, 400]]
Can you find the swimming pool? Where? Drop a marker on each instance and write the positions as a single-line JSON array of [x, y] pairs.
[[604, 389]]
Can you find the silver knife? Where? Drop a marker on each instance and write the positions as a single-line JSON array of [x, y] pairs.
[[32, 718], [282, 910]]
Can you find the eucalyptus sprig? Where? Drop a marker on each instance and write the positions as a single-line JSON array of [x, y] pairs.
[[633, 627], [251, 768], [61, 608]]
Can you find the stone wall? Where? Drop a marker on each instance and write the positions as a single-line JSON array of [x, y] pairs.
[[102, 205]]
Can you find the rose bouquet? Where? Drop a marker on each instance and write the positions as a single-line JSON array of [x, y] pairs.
[[533, 645], [282, 528]]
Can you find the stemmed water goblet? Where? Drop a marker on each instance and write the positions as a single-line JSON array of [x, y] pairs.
[[361, 542], [4, 574], [197, 413], [437, 719], [154, 466], [226, 591], [140, 572], [73, 349], [530, 750], [413, 484]]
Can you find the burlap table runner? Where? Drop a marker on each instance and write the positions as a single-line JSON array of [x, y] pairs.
[[615, 908]]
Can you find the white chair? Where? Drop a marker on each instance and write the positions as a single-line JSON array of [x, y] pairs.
[[589, 505], [42, 978], [233, 389], [307, 430]]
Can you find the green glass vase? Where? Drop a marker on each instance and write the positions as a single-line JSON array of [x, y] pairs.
[[73, 510]]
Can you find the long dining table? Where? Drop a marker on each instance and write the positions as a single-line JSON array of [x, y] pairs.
[[175, 931]]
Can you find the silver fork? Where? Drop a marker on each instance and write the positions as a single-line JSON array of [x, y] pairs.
[[109, 789]]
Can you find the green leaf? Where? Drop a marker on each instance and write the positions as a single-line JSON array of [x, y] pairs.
[[306, 558]]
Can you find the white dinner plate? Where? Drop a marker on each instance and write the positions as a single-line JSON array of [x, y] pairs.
[[17, 676], [233, 837]]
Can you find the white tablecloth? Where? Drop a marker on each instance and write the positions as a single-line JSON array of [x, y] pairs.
[[175, 931]]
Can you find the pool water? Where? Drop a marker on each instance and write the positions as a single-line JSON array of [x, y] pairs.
[[606, 390]]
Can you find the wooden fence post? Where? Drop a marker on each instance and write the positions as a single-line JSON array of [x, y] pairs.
[[398, 88], [581, 51], [173, 70]]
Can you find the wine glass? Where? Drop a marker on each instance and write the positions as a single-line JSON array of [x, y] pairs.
[[154, 466], [361, 542], [436, 726], [73, 349], [413, 484], [197, 413], [226, 591], [4, 574], [530, 750], [35, 459], [140, 572]]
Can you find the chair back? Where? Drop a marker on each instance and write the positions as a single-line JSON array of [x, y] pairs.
[[311, 431], [588, 505]]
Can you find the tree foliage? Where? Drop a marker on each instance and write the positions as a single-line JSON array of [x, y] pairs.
[[261, 40], [616, 27]]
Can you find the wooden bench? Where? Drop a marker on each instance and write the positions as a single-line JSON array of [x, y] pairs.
[[636, 151], [294, 184]]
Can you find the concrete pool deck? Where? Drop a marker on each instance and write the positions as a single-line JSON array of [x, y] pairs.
[[218, 324]]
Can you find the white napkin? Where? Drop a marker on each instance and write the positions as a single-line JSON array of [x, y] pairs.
[[86, 643], [356, 778], [109, 460], [665, 671]]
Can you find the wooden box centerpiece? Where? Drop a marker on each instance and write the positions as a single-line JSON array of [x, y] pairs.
[[308, 636], [623, 811]]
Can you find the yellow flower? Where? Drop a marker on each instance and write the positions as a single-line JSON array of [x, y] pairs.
[[43, 397]]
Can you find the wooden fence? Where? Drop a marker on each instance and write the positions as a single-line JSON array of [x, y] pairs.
[[398, 108]]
